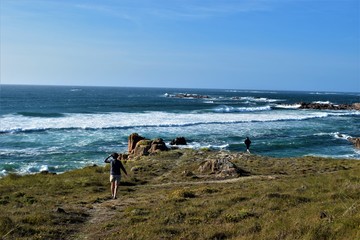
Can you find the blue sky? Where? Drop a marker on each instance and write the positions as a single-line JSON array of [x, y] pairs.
[[231, 44]]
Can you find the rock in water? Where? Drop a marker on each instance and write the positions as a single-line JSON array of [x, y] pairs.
[[355, 141], [178, 141], [329, 106]]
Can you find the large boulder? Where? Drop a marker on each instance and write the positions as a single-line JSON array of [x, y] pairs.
[[142, 148], [158, 145], [145, 147], [178, 141], [221, 167], [133, 139]]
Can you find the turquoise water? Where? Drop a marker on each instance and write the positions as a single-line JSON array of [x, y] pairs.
[[61, 128]]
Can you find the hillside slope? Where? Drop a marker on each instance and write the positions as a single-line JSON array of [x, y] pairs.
[[167, 196]]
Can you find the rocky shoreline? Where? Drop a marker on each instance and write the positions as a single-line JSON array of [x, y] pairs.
[[139, 146], [329, 106], [187, 96]]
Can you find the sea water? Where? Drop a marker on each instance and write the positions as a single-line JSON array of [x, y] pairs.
[[59, 128]]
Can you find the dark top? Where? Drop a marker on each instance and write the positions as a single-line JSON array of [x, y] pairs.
[[247, 142], [115, 166]]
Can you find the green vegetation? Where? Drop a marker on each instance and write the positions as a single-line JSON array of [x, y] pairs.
[[166, 197]]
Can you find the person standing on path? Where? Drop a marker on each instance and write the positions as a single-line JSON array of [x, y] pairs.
[[247, 143], [115, 172]]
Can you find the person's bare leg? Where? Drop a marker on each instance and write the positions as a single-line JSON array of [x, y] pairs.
[[113, 184], [115, 189]]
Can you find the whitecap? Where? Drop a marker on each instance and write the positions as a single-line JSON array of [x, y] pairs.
[[230, 109], [44, 168], [322, 102], [288, 106], [161, 119], [336, 135]]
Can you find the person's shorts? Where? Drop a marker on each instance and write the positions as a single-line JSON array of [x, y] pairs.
[[115, 178]]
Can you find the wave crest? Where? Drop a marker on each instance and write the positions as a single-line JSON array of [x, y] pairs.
[[230, 109], [18, 123]]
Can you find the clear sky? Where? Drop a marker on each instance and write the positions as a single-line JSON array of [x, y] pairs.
[[231, 44]]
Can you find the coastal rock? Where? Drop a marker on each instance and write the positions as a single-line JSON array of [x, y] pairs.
[[355, 141], [142, 148], [145, 147], [187, 95], [158, 145], [220, 167], [133, 139], [329, 106], [356, 106], [178, 141]]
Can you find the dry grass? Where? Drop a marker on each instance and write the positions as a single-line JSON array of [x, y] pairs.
[[305, 198]]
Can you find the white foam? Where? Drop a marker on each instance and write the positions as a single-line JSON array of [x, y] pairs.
[[228, 109], [288, 106], [197, 145], [323, 93], [255, 99], [340, 135], [75, 90], [322, 102], [336, 135], [18, 123], [44, 168]]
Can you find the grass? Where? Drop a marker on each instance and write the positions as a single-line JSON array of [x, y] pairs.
[[296, 198]]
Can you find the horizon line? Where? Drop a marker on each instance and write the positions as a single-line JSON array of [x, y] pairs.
[[200, 88]]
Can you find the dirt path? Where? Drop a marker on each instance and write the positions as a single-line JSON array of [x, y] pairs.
[[103, 211]]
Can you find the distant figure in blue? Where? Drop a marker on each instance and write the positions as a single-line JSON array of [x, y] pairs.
[[247, 143], [115, 173]]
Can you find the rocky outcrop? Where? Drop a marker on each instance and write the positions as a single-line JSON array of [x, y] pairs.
[[187, 95], [133, 139], [329, 106], [178, 141], [355, 141], [140, 146], [222, 167], [356, 106], [219, 167], [158, 145]]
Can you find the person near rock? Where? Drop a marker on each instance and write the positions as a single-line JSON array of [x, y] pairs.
[[247, 143], [115, 172]]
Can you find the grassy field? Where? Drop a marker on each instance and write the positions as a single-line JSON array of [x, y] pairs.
[[166, 197]]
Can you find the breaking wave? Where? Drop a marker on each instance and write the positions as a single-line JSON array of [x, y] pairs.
[[14, 123], [229, 109]]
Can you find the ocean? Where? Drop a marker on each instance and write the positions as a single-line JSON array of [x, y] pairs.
[[60, 128]]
